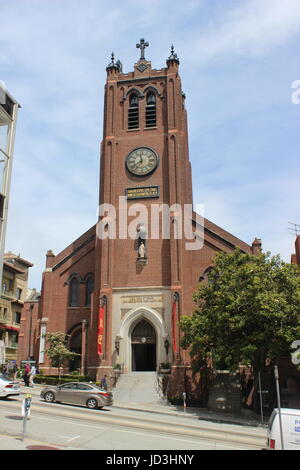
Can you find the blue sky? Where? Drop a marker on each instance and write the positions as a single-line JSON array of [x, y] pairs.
[[238, 60]]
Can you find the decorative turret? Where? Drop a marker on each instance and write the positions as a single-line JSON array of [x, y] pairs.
[[173, 58], [256, 246], [114, 66], [50, 259]]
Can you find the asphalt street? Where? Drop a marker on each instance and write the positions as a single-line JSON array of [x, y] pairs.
[[119, 427]]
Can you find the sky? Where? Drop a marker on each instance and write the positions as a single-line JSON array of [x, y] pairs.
[[238, 62]]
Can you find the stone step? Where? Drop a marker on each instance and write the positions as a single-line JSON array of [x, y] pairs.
[[137, 387]]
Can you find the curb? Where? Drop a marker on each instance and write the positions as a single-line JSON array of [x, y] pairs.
[[213, 419], [192, 413]]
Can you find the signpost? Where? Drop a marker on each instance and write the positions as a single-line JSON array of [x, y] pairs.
[[279, 405], [26, 403]]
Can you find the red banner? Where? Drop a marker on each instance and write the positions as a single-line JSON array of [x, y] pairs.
[[174, 327], [100, 330]]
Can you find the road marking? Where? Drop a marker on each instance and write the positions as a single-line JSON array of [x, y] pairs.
[[197, 441], [73, 438], [170, 437], [69, 439]]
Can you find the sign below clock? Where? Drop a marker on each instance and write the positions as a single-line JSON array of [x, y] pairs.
[[142, 193]]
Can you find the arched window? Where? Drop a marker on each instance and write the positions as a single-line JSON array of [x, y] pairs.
[[133, 112], [143, 329], [151, 110], [74, 293], [204, 275], [89, 290]]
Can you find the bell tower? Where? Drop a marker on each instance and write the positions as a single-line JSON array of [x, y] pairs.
[[144, 168]]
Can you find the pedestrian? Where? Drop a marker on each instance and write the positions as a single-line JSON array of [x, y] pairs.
[[31, 375], [15, 370], [103, 383], [5, 370], [26, 375]]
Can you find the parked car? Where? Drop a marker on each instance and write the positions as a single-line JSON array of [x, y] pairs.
[[8, 387], [78, 393], [290, 429]]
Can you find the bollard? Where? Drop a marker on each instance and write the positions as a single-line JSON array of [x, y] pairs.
[[184, 401]]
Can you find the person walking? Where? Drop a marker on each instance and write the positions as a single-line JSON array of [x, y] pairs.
[[103, 383], [26, 375], [31, 375]]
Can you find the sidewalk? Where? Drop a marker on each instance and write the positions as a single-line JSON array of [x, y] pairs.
[[168, 409]]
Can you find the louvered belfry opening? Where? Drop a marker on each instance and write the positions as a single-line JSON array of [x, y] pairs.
[[133, 112], [151, 110]]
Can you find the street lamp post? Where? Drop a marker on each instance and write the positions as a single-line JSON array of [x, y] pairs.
[[30, 328]]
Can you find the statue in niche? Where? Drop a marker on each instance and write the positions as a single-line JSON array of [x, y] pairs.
[[141, 241], [142, 251]]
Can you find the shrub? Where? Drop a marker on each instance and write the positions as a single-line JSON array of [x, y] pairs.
[[55, 380]]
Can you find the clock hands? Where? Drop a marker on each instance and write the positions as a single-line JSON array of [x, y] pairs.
[[137, 164]]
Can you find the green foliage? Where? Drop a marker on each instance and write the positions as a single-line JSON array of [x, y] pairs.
[[57, 351], [55, 379], [248, 310], [165, 365]]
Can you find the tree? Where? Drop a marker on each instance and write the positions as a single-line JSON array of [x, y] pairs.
[[57, 351], [248, 311]]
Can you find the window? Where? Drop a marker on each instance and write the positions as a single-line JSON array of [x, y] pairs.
[[83, 387], [151, 110], [89, 290], [143, 329], [18, 317], [205, 275], [19, 293], [74, 293], [71, 386], [13, 340], [133, 112]]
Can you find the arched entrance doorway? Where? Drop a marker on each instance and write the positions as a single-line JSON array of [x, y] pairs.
[[75, 346], [143, 345]]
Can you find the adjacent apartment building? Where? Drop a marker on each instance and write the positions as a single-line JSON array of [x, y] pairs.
[[13, 296], [8, 119]]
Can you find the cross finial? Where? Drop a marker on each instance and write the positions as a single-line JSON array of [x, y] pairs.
[[142, 45]]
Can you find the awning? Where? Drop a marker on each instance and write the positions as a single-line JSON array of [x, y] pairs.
[[4, 327]]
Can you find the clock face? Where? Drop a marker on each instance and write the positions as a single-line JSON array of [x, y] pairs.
[[141, 161]]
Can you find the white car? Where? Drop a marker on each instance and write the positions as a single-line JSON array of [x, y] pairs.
[[8, 387]]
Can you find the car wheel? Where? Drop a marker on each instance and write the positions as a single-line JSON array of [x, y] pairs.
[[49, 397], [92, 403]]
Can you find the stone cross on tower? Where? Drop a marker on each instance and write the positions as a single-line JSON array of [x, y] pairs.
[[142, 45]]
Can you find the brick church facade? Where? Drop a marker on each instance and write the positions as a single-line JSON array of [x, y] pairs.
[[120, 297]]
